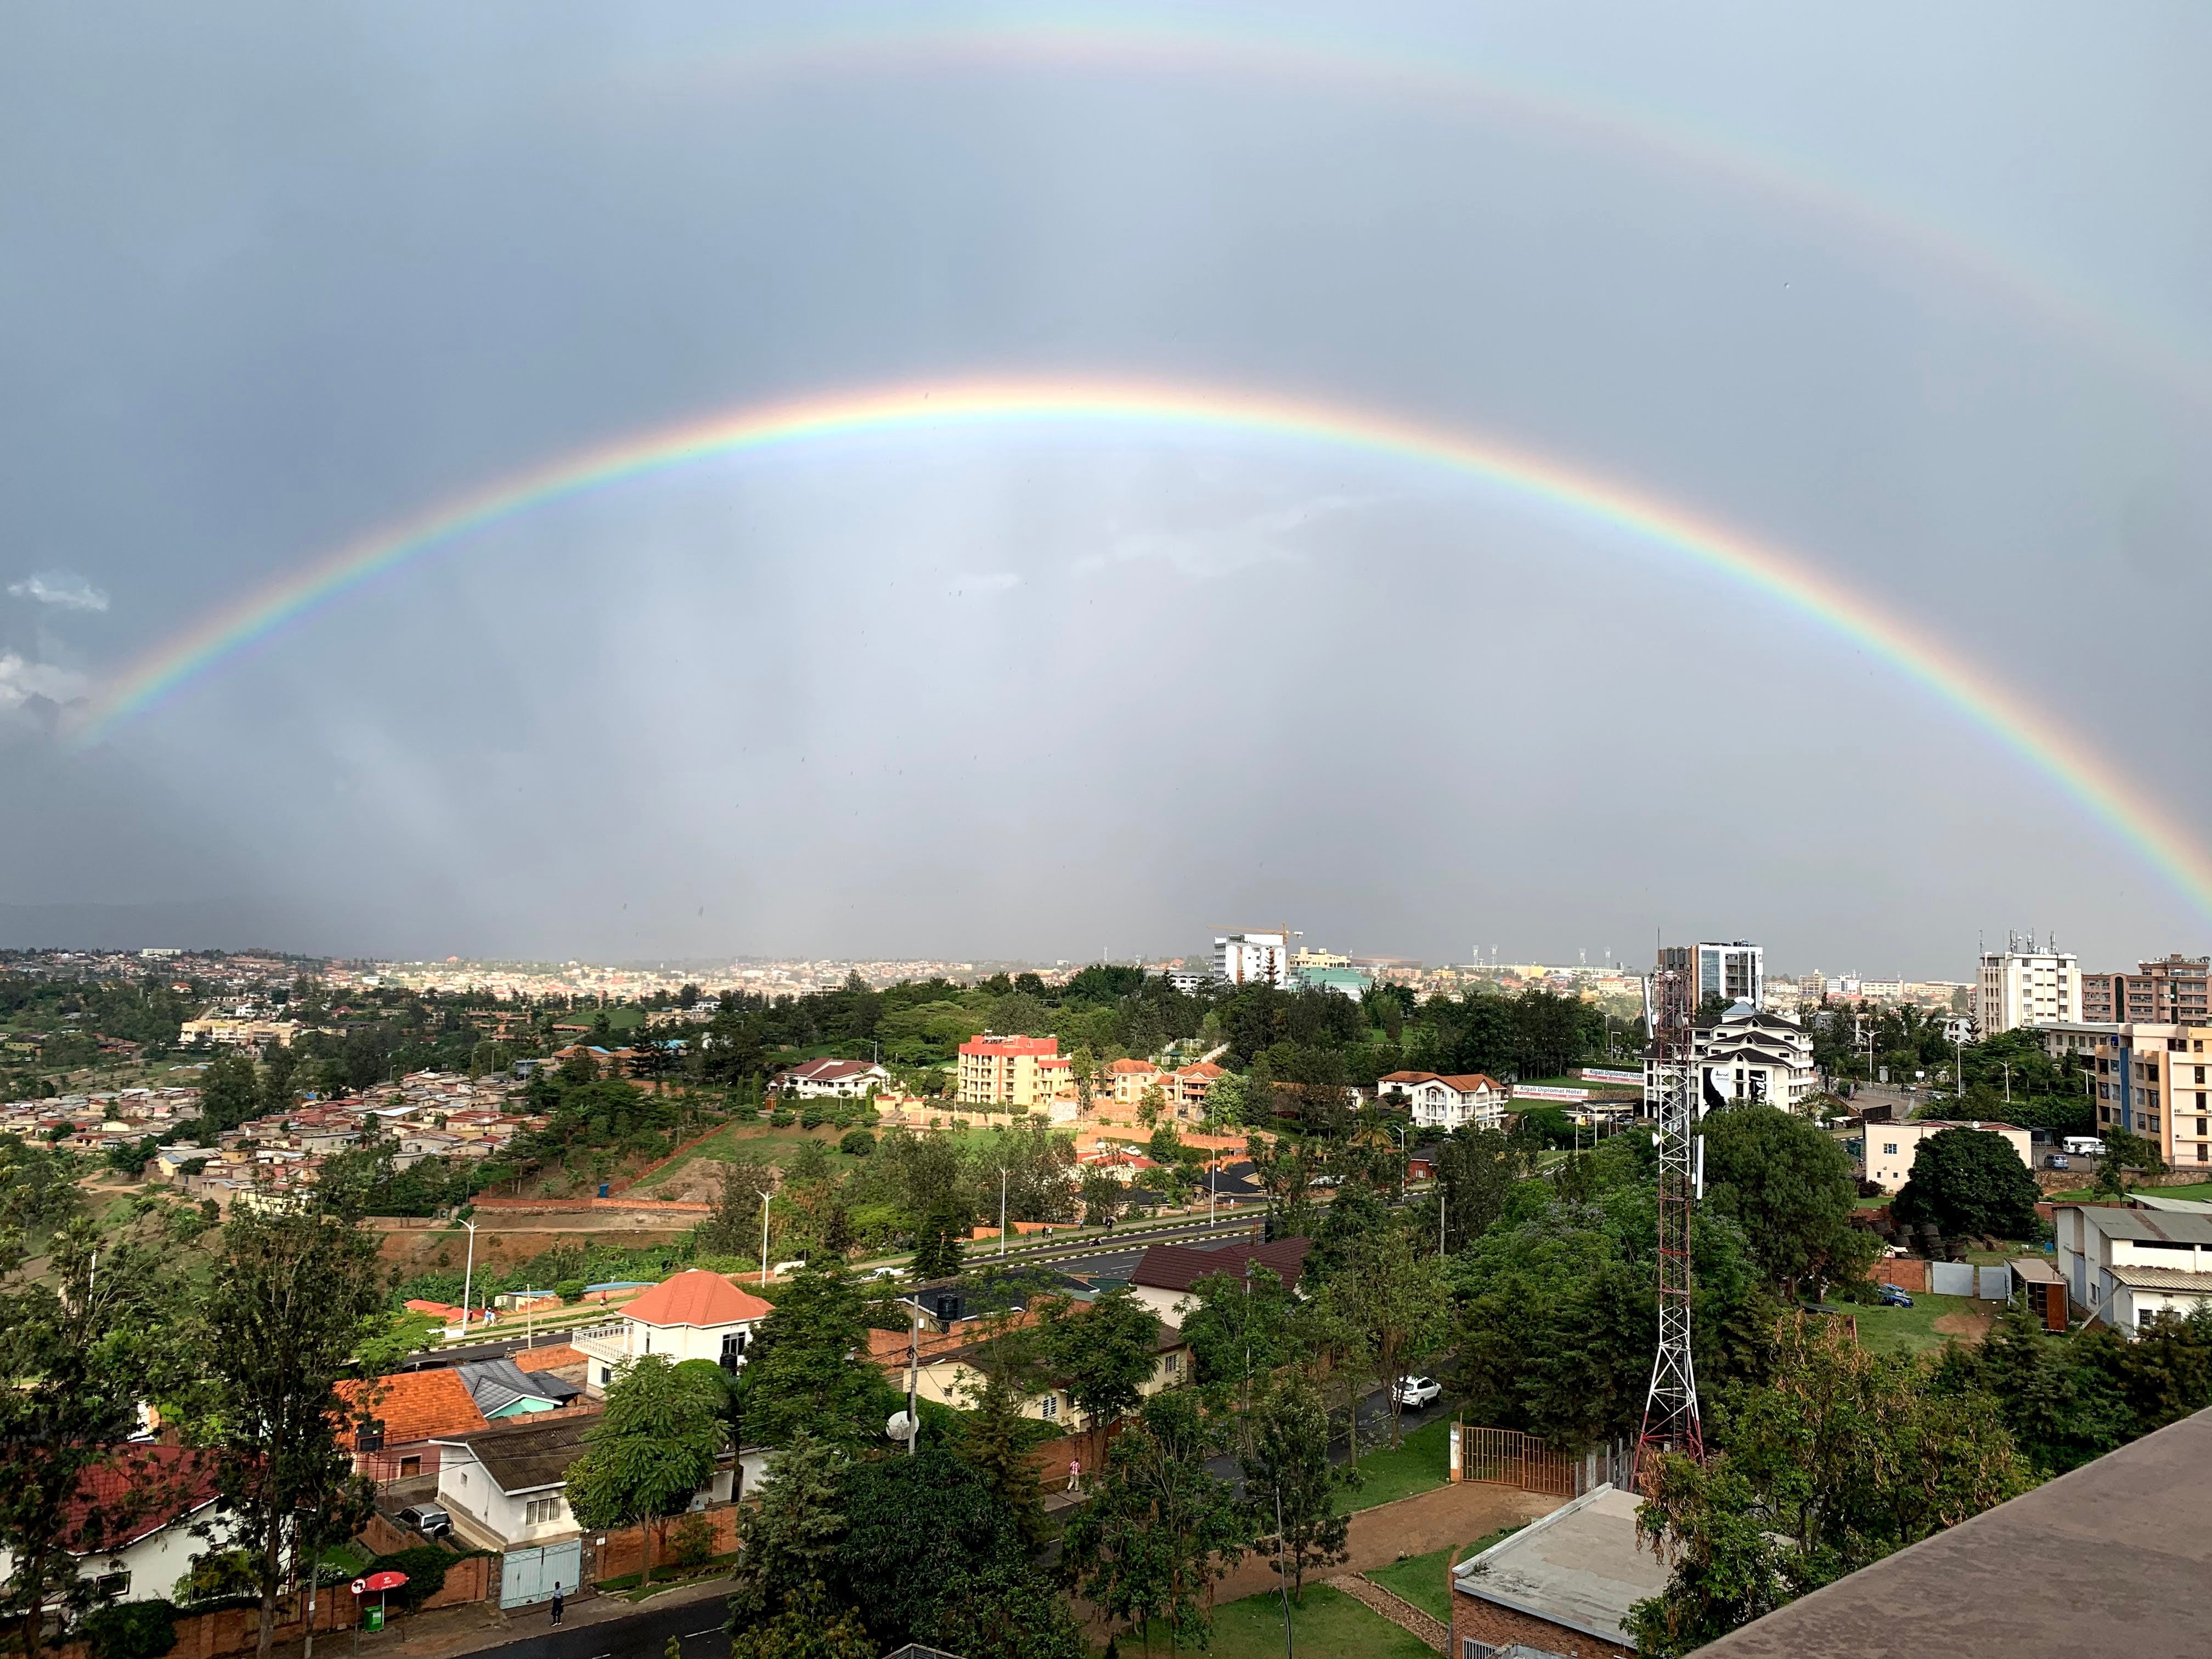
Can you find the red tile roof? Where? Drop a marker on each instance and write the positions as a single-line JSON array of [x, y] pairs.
[[1126, 1067], [144, 1488], [696, 1297], [1407, 1076], [412, 1406]]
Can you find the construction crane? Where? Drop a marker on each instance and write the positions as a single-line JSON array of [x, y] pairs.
[[1670, 1012]]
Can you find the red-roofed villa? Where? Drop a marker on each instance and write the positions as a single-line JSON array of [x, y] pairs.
[[695, 1315]]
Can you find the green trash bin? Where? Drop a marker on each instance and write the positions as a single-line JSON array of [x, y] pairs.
[[373, 1619]]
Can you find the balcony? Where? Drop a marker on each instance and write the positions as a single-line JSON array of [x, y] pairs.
[[608, 1342]]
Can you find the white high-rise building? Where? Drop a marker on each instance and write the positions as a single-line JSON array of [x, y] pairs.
[[2023, 986], [1253, 959]]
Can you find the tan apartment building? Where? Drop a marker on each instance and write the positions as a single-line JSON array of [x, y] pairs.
[[1016, 1073], [1891, 1147], [2175, 989], [2150, 1079]]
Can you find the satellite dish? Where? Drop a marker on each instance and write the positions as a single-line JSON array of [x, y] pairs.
[[901, 1427]]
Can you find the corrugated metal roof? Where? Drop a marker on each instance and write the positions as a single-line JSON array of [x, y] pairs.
[[2158, 1226], [2138, 1277]]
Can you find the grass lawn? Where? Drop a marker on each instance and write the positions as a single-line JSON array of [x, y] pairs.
[[1330, 1626], [1423, 1462], [1420, 1578], [1910, 1330], [2201, 1191]]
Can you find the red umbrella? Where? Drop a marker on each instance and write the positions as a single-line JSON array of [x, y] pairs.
[[383, 1581]]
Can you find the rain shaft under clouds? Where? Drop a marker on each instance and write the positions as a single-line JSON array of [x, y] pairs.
[[1917, 299]]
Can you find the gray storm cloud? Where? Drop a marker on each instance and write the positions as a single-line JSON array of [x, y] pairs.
[[279, 277]]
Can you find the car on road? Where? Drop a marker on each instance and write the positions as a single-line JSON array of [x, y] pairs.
[[1415, 1391], [428, 1519], [2057, 1161], [1890, 1297]]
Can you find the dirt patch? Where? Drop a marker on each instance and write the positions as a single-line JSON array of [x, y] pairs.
[[1972, 1327], [1439, 1520]]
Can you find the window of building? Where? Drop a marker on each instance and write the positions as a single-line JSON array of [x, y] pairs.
[[541, 1511], [733, 1350], [606, 1374], [111, 1586], [409, 1465], [1050, 1408], [1889, 1148]]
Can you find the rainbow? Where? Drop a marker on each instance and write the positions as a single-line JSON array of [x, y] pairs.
[[1072, 42], [1193, 412]]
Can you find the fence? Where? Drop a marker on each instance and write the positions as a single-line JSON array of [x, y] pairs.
[[1507, 1457]]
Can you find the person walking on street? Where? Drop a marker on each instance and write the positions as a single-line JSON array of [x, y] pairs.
[[1075, 1474], [556, 1604]]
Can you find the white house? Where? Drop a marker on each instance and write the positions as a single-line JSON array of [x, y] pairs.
[[695, 1315], [1748, 1057], [141, 1558], [841, 1079], [1448, 1102], [2122, 1265], [507, 1486], [1891, 1147]]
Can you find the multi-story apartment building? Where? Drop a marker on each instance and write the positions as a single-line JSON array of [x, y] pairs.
[[1017, 1074], [1749, 1057], [2148, 1077], [1734, 970], [2172, 989], [1253, 959], [2021, 986]]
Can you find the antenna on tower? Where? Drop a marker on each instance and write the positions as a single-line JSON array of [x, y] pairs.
[[1670, 1405]]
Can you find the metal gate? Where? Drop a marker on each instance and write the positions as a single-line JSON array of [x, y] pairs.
[[1950, 1278], [532, 1574], [1993, 1283]]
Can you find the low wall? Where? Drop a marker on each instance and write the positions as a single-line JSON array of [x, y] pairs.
[[592, 1205], [1907, 1272], [624, 1552]]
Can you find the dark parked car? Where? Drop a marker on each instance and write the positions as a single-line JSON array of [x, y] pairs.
[[1890, 1297]]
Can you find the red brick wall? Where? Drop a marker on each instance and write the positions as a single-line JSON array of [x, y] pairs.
[[624, 1551], [1486, 1621], [1907, 1272]]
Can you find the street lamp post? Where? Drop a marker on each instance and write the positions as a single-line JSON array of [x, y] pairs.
[[1002, 1210], [468, 1275], [764, 1240], [2007, 1064]]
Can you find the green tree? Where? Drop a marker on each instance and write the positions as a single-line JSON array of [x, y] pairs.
[[1968, 1181], [1292, 1485], [292, 1295], [651, 1451], [1791, 1190], [2125, 1150], [1842, 1458], [1159, 1528], [788, 1540], [807, 1368], [1476, 1168], [230, 1093], [936, 1238], [79, 1346], [1238, 1331], [1397, 1298], [811, 1626], [996, 1432], [1107, 1351]]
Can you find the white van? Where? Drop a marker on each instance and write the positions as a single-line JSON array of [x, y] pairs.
[[2084, 1147]]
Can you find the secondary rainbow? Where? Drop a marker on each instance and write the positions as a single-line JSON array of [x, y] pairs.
[[1202, 42], [1158, 411]]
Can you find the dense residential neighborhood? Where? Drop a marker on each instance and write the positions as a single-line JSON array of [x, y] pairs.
[[610, 1304]]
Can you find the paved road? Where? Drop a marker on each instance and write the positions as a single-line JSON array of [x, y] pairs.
[[697, 1626], [504, 1348]]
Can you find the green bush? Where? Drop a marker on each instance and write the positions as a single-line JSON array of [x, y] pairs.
[[569, 1290], [132, 1630], [813, 1115], [694, 1541], [425, 1567], [778, 1119], [856, 1142]]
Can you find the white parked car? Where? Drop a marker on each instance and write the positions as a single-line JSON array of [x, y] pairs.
[[1415, 1391]]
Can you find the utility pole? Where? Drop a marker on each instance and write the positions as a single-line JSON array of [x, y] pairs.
[[764, 1240], [1002, 1210], [1670, 1406], [468, 1275]]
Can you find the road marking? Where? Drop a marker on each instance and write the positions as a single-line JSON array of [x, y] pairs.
[[711, 1630]]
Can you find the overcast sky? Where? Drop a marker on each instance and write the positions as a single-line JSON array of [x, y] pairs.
[[1923, 295]]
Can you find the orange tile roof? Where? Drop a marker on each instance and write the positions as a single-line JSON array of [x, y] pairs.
[[1126, 1067], [549, 1358], [696, 1297], [412, 1406]]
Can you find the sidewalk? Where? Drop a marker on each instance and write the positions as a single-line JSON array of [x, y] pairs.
[[443, 1632]]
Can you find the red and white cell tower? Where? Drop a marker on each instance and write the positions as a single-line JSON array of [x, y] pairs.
[[1670, 1012]]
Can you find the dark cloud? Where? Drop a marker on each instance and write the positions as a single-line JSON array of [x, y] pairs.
[[277, 278]]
